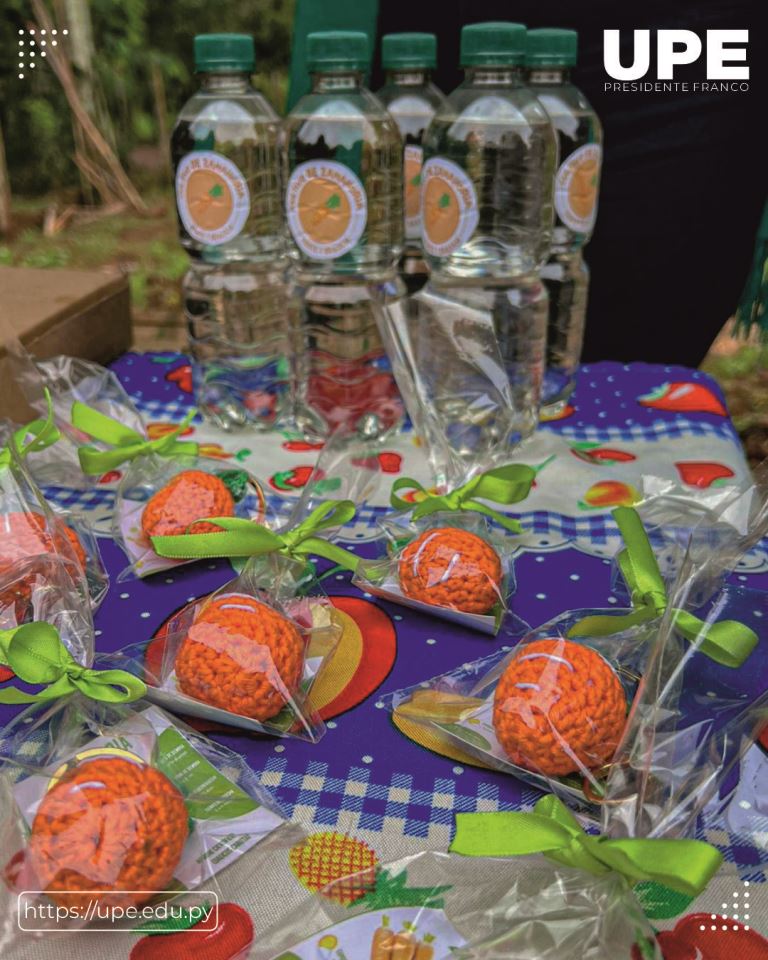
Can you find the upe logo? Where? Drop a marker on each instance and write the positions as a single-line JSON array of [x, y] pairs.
[[724, 52]]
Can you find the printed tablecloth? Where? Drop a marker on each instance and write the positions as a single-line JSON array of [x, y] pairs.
[[624, 424]]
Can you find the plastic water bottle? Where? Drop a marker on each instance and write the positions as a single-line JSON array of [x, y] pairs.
[[225, 148], [550, 55], [489, 161], [344, 208], [412, 99]]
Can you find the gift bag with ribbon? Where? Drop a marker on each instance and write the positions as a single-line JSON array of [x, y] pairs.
[[249, 655], [116, 817], [471, 389], [570, 893], [700, 708], [166, 488], [560, 707], [32, 532], [69, 380], [450, 554]]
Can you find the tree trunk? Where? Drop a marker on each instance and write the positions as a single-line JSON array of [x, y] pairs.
[[5, 192]]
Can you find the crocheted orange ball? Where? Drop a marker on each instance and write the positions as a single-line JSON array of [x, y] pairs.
[[191, 495], [559, 707], [109, 824], [449, 567], [242, 656], [28, 535]]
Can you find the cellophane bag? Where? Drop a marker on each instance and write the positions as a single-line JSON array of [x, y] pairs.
[[438, 906], [694, 717], [161, 496], [551, 711], [49, 594], [716, 521], [471, 395], [69, 379], [248, 655], [453, 565], [110, 809], [31, 531]]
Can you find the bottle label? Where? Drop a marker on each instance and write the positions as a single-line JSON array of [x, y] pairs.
[[413, 158], [212, 197], [326, 208], [448, 207], [576, 184]]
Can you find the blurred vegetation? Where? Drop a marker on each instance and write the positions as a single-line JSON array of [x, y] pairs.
[[130, 36], [743, 375]]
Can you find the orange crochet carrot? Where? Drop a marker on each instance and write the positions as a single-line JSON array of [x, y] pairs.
[[559, 706], [109, 824], [242, 656], [190, 495], [449, 567]]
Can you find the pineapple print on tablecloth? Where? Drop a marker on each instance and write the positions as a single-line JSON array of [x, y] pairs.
[[334, 865]]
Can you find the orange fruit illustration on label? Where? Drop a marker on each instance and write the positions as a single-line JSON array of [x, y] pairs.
[[412, 175], [559, 706], [582, 190], [209, 199], [324, 211], [441, 210]]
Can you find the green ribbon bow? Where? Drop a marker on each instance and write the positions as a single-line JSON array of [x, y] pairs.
[[686, 866], [727, 642], [44, 433], [126, 443], [509, 484], [244, 538], [36, 654]]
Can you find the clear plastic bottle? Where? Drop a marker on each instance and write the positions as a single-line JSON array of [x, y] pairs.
[[550, 55], [225, 149], [489, 162], [344, 208], [412, 99]]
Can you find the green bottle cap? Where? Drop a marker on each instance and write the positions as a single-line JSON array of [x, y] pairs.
[[492, 44], [551, 47], [403, 51], [224, 51], [332, 50]]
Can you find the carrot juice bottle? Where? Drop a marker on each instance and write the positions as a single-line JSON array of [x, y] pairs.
[[342, 164]]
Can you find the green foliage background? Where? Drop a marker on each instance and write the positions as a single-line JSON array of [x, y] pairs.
[[129, 35]]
